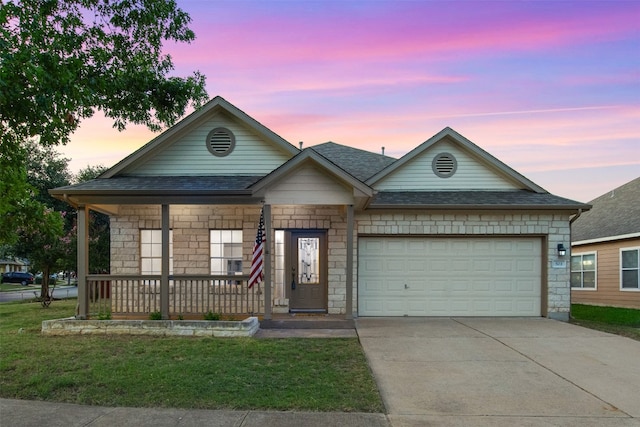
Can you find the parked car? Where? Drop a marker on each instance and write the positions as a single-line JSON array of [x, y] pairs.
[[52, 278], [18, 277]]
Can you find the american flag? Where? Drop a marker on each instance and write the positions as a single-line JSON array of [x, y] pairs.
[[257, 261]]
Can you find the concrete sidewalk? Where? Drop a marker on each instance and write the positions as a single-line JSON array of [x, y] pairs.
[[18, 413], [502, 372]]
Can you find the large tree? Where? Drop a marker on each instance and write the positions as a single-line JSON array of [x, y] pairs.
[[61, 60], [43, 235]]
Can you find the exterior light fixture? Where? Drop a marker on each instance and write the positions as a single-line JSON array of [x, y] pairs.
[[562, 251]]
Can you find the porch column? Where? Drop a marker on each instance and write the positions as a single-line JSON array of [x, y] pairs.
[[83, 261], [267, 261], [349, 295], [164, 275]]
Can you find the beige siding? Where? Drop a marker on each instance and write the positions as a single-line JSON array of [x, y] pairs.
[[308, 185], [608, 291], [418, 174], [190, 156]]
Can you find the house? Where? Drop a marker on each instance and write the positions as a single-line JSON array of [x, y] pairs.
[[13, 264], [446, 230], [605, 250]]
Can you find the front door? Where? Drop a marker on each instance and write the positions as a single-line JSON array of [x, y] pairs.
[[308, 271]]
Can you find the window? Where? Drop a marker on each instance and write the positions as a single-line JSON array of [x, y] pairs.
[[629, 269], [151, 251], [583, 271], [226, 252], [279, 292]]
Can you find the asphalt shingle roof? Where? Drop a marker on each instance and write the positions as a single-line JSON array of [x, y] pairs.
[[615, 213], [518, 199], [162, 183], [360, 164]]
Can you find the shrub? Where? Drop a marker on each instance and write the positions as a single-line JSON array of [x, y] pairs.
[[156, 315], [210, 315]]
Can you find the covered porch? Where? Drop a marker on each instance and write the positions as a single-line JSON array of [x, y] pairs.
[[196, 275]]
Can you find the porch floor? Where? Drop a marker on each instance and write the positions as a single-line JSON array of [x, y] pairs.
[[307, 321]]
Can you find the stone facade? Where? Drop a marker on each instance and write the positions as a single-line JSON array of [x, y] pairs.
[[192, 328], [553, 228], [191, 225]]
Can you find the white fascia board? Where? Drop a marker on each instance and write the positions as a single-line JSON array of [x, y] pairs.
[[605, 239]]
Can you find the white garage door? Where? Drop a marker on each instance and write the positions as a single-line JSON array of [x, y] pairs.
[[426, 276]]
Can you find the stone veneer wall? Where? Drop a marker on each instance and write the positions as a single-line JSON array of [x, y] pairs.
[[554, 226], [191, 225]]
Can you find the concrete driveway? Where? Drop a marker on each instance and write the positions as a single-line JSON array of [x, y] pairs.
[[502, 372]]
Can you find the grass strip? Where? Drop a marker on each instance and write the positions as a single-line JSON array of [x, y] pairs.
[[615, 320], [212, 373]]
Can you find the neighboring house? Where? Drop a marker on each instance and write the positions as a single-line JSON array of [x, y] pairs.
[[446, 230], [14, 264], [605, 250]]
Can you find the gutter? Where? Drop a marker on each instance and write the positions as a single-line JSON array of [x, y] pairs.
[[571, 221]]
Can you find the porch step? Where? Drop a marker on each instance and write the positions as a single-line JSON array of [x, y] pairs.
[[307, 323]]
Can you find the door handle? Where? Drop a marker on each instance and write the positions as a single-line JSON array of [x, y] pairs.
[[293, 278], [406, 286]]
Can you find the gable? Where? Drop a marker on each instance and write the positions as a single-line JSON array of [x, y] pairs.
[[188, 154], [308, 184], [472, 173]]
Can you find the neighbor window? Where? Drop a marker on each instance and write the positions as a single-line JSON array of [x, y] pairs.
[[226, 252], [583, 271], [151, 251], [629, 269]]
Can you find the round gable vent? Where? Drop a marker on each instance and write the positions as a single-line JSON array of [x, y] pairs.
[[220, 142], [444, 165]]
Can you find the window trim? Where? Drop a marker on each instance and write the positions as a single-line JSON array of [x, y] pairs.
[[595, 271], [143, 257], [222, 257], [632, 248]]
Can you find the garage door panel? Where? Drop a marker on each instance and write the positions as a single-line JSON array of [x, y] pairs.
[[449, 276], [438, 265], [373, 286], [395, 266], [480, 266], [416, 266], [417, 245]]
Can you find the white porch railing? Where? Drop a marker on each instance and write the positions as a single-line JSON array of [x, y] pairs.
[[189, 295]]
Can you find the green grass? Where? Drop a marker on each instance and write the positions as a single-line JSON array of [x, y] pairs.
[[9, 287], [621, 321], [213, 373]]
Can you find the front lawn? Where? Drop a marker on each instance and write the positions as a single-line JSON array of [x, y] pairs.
[[212, 373], [620, 321]]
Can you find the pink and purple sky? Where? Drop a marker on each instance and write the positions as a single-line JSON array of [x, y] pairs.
[[552, 88]]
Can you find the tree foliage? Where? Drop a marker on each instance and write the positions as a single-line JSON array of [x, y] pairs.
[[42, 235], [47, 169], [61, 60]]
